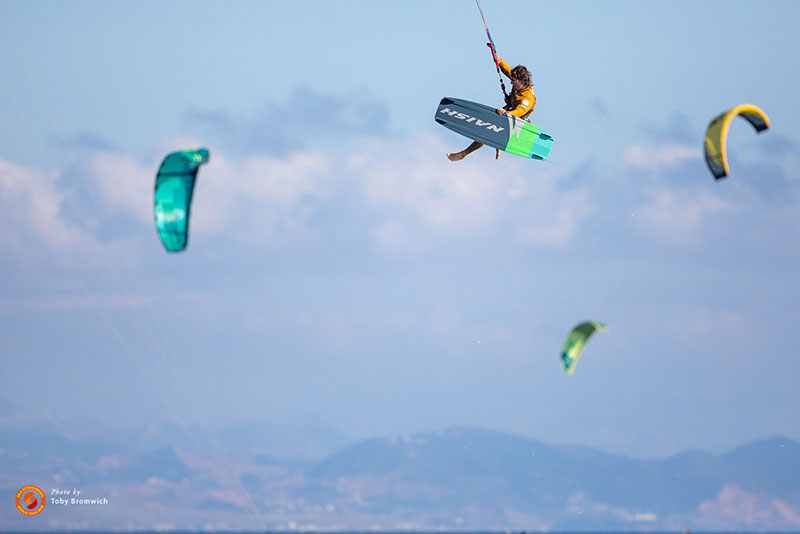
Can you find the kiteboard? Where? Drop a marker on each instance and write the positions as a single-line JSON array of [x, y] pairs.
[[505, 132]]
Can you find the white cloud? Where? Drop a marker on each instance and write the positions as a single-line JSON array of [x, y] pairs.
[[786, 215], [123, 184], [552, 217], [668, 155], [407, 190], [32, 215], [417, 192], [413, 178], [394, 236], [701, 323], [259, 199], [735, 506], [254, 199], [677, 216]]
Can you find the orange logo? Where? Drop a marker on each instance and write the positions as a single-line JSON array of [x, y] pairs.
[[30, 500]]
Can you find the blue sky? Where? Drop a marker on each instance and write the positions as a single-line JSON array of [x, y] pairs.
[[340, 269]]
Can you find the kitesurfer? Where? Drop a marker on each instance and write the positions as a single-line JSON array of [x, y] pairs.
[[519, 103]]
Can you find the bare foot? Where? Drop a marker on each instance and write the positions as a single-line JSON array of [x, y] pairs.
[[456, 156], [497, 154]]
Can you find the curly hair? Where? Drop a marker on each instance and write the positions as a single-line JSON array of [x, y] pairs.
[[520, 72]]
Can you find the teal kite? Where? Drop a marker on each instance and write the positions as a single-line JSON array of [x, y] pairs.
[[172, 198], [575, 342]]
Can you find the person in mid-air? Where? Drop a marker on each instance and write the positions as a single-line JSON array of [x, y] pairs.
[[520, 103]]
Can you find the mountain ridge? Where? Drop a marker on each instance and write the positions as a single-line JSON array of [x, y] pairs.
[[457, 478]]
